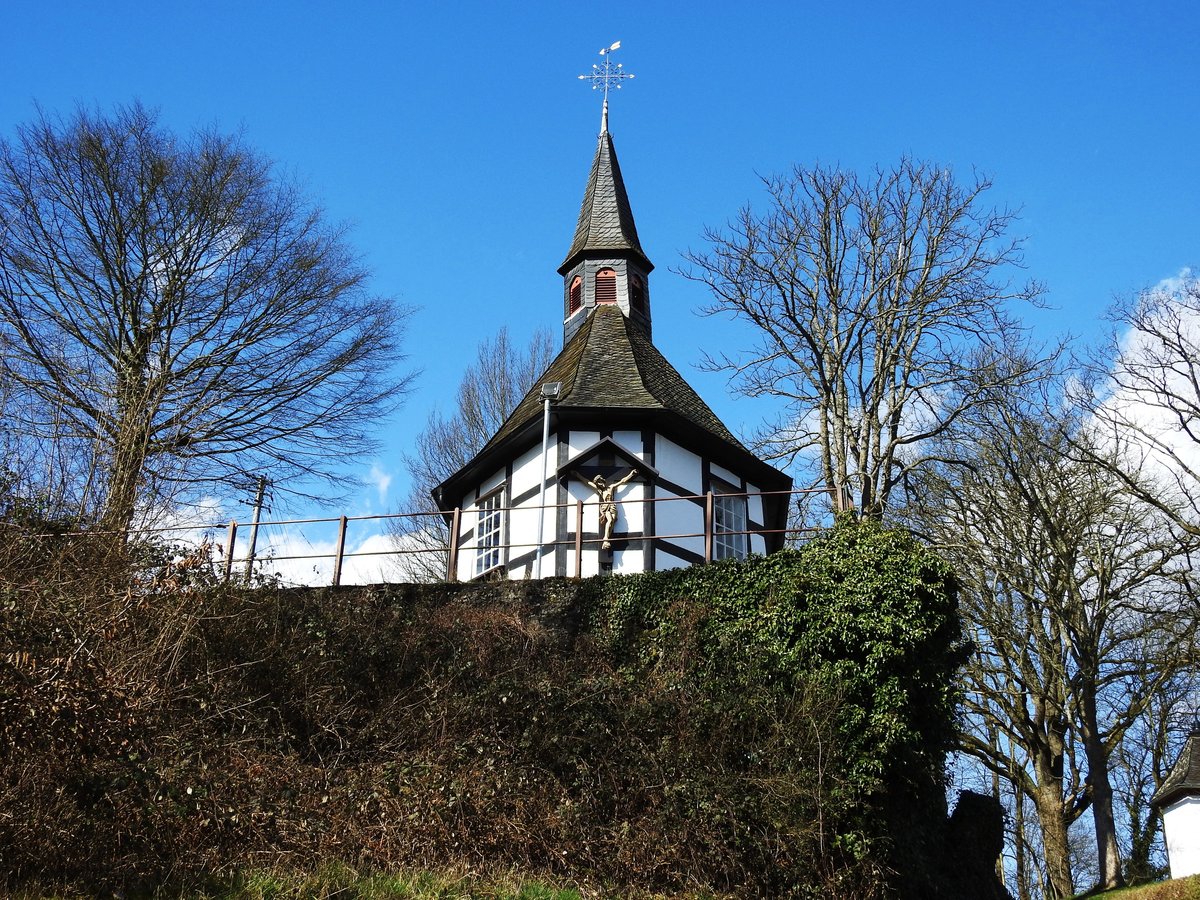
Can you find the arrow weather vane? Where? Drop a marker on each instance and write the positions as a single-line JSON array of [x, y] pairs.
[[605, 76]]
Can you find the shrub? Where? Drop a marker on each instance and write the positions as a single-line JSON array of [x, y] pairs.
[[759, 728]]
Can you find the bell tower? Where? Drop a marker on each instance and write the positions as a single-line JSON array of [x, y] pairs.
[[606, 264]]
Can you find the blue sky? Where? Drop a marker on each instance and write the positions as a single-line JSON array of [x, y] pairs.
[[455, 138]]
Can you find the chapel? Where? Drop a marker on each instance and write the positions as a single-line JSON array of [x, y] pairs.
[[611, 463]]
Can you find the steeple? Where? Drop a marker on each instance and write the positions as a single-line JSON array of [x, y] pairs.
[[606, 263], [611, 401], [605, 219]]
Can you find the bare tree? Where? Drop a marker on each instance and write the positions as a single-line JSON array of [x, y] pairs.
[[1077, 596], [181, 317], [490, 389], [1146, 392], [872, 299]]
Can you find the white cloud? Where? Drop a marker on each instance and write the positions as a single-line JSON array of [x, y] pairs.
[[1153, 400], [304, 554], [296, 555], [381, 480]]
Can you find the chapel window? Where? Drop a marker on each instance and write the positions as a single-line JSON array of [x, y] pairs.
[[575, 296], [490, 531], [729, 526]]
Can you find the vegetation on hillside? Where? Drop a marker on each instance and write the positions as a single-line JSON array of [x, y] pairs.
[[772, 727]]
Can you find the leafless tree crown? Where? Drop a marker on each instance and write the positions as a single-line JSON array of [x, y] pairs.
[[871, 298], [1079, 598], [181, 317], [490, 389], [1145, 389]]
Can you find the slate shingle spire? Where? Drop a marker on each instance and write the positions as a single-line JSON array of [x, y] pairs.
[[606, 262], [605, 217]]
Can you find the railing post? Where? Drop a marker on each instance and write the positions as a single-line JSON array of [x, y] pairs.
[[578, 538], [341, 551], [452, 563], [708, 527], [230, 537]]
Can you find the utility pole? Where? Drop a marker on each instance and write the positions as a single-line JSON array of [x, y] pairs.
[[258, 504]]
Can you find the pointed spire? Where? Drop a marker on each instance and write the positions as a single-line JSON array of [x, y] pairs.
[[604, 118], [605, 218]]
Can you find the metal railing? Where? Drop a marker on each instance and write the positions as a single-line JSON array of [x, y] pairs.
[[229, 565]]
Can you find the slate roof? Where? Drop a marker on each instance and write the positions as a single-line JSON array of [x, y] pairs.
[[605, 218], [610, 363], [611, 370], [1184, 777]]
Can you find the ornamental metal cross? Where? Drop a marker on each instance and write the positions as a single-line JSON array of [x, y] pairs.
[[605, 76]]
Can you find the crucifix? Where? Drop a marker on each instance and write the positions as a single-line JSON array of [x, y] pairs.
[[608, 504], [605, 76]]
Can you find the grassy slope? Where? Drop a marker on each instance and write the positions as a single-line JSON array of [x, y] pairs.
[[342, 882], [1177, 889]]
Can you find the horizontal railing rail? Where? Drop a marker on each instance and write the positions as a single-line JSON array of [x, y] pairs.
[[226, 558]]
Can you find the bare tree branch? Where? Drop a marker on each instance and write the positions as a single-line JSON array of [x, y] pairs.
[[183, 315], [489, 391], [873, 298]]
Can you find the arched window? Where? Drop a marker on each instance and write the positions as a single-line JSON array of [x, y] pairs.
[[606, 286], [575, 296], [637, 293]]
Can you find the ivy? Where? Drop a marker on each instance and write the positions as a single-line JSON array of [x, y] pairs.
[[866, 611]]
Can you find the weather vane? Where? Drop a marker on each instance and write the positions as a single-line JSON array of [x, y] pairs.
[[605, 76]]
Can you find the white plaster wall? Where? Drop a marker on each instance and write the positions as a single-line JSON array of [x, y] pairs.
[[577, 490], [629, 561], [631, 441], [523, 520], [754, 504], [492, 482], [664, 561], [724, 474], [526, 468], [578, 441], [679, 517], [754, 512], [677, 465], [630, 511], [1181, 825], [522, 530]]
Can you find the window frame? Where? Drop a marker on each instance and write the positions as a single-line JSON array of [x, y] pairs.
[[731, 523], [575, 296], [637, 293], [489, 531]]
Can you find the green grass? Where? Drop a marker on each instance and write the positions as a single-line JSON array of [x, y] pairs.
[[1177, 889], [340, 882]]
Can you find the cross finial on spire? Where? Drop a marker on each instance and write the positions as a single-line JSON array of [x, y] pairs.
[[605, 76]]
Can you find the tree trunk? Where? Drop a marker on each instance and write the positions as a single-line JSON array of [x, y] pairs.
[[1047, 799], [129, 448], [1107, 851]]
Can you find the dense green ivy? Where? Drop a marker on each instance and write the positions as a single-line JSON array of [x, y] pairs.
[[869, 613]]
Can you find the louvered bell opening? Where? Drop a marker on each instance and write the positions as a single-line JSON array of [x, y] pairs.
[[637, 293], [575, 296], [606, 286]]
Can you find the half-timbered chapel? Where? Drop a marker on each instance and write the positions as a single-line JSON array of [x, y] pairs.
[[629, 469]]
